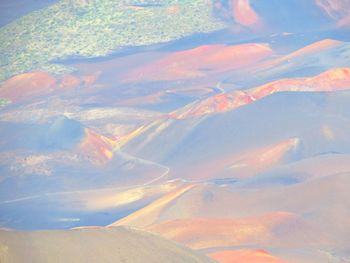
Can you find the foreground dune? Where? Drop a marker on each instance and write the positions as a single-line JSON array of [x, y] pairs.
[[91, 245]]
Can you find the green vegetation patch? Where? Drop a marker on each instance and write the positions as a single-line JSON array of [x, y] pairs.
[[85, 28], [4, 102]]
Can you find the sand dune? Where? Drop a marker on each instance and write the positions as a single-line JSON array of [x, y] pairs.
[[97, 148], [92, 245], [202, 60], [210, 216], [245, 256], [315, 48], [200, 233], [328, 81], [244, 14], [28, 85], [248, 163], [151, 213]]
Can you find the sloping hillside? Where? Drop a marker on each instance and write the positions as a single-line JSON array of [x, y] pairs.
[[92, 245]]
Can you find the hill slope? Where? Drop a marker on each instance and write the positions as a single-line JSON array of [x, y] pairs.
[[91, 245]]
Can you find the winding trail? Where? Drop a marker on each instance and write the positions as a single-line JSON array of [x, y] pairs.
[[127, 156]]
